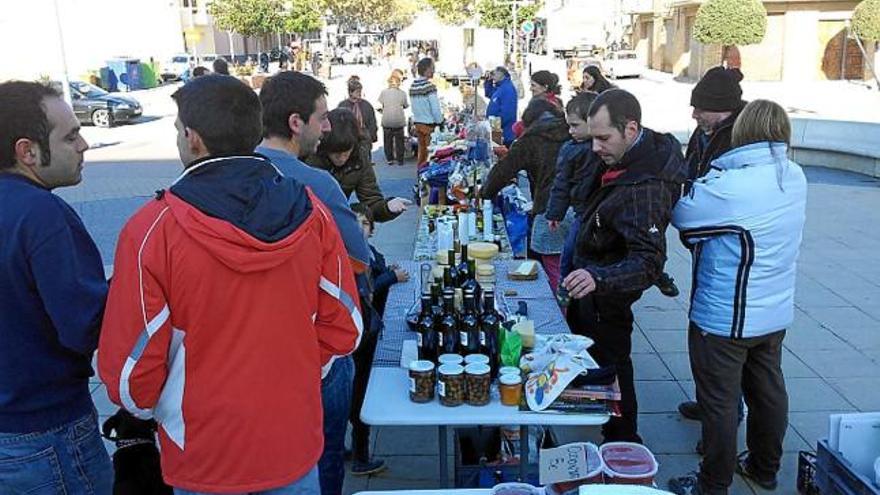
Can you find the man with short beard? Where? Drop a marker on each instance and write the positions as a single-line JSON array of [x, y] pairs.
[[52, 293]]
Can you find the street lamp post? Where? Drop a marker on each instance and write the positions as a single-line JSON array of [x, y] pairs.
[[65, 80]]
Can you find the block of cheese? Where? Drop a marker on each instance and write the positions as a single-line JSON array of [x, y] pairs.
[[527, 270], [482, 250]]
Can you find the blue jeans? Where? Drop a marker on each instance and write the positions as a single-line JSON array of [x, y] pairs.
[[67, 460], [336, 390], [307, 485]]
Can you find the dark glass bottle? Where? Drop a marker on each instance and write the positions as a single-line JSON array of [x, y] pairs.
[[448, 281], [437, 299], [469, 330], [448, 339], [471, 282], [490, 325], [427, 331], [453, 270], [463, 274]]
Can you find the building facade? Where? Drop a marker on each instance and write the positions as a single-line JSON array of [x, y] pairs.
[[806, 40]]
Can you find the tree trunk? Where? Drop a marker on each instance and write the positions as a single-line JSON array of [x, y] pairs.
[[731, 58]]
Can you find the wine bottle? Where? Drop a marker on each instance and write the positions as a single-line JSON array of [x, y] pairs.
[[427, 332], [448, 341], [463, 274], [469, 330], [490, 325]]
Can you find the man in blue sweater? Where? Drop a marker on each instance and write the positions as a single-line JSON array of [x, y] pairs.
[[52, 292]]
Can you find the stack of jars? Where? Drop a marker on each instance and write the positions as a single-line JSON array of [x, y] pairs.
[[460, 381]]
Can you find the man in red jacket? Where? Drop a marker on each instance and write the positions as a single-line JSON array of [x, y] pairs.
[[231, 293]]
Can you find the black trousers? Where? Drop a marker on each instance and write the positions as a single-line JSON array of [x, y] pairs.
[[608, 320], [394, 143], [724, 369], [363, 362]]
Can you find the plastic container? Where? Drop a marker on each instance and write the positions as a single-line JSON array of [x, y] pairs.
[[510, 386], [515, 489], [451, 385], [450, 359], [835, 475], [476, 358], [422, 381], [595, 476], [478, 382], [628, 463]]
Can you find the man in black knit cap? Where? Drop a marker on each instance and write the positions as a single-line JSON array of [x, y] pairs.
[[717, 102]]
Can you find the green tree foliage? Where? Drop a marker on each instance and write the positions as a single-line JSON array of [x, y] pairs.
[[301, 16], [866, 20], [453, 11], [248, 17], [731, 22], [497, 15], [382, 13]]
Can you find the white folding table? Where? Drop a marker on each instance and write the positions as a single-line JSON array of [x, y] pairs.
[[387, 399]]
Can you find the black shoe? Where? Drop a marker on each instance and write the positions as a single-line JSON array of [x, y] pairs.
[[666, 284], [742, 468], [690, 410], [685, 485], [368, 468]]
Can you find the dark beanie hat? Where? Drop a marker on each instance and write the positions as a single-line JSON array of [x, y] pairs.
[[718, 90]]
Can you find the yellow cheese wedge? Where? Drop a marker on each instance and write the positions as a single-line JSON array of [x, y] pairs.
[[482, 250], [526, 330]]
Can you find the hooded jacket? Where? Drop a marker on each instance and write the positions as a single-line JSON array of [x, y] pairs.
[[535, 152], [577, 174], [744, 221], [357, 177], [502, 104], [622, 235], [703, 149], [231, 292]]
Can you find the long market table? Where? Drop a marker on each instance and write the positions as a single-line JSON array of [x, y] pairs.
[[387, 400], [425, 248]]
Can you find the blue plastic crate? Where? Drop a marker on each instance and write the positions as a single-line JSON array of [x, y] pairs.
[[834, 476]]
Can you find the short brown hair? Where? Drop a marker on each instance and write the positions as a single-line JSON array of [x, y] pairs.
[[761, 120]]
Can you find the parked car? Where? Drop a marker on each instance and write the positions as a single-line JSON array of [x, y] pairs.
[[177, 66], [208, 59], [623, 63], [93, 105]]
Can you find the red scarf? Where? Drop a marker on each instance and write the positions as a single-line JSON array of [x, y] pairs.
[[611, 175]]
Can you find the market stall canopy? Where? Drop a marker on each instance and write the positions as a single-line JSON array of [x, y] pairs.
[[423, 28]]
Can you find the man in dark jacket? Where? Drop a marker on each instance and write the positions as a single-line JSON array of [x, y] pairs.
[[621, 244], [365, 115], [717, 102], [502, 97], [52, 293]]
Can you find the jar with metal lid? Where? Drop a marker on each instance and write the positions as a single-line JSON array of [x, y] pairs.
[[478, 381], [476, 358], [509, 370], [451, 384], [421, 381], [510, 386], [450, 359]]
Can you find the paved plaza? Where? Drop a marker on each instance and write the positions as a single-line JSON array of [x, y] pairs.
[[832, 351]]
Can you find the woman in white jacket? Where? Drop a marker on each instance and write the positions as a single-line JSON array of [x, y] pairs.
[[743, 222]]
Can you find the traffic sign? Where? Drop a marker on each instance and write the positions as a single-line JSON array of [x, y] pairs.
[[527, 27]]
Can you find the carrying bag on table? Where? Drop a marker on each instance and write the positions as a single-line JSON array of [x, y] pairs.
[[515, 208]]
